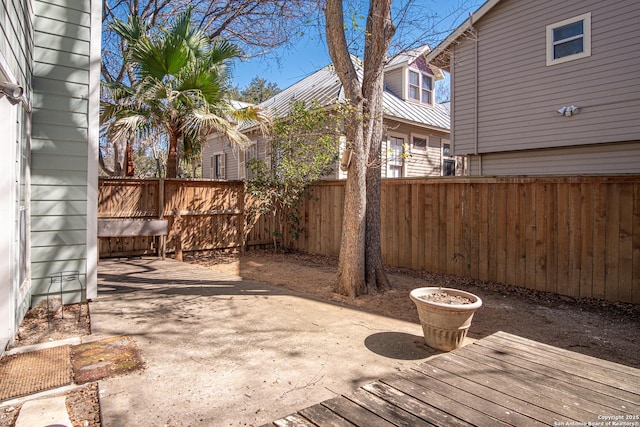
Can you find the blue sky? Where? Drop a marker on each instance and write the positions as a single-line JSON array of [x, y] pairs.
[[309, 53]]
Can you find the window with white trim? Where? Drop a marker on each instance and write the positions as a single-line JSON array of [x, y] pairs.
[[419, 143], [569, 39], [395, 157], [420, 87]]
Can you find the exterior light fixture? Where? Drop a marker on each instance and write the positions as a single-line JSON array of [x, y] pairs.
[[569, 111], [12, 91]]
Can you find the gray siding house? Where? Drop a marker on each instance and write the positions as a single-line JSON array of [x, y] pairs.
[[416, 142], [546, 87], [49, 74]]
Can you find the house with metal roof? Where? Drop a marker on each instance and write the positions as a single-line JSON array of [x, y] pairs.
[[416, 140]]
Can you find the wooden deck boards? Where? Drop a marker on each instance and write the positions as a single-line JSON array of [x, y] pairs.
[[500, 380]]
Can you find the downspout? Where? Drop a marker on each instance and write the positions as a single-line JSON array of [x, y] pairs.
[[452, 117], [475, 97]]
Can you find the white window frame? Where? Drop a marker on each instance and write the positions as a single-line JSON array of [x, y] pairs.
[[419, 149], [420, 86], [586, 39], [391, 158]]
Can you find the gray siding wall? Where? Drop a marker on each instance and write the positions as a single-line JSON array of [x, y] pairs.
[[614, 158], [60, 139], [518, 95]]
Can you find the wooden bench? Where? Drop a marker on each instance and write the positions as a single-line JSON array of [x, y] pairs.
[[129, 227]]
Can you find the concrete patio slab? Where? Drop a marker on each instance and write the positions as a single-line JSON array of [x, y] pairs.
[[224, 351]]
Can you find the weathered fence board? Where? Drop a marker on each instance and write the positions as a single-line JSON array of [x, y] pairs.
[[576, 236]]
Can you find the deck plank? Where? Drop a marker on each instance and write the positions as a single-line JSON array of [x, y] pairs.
[[386, 410], [572, 365], [323, 416], [587, 390], [355, 413], [561, 371], [632, 373], [518, 410], [500, 380], [492, 403], [448, 404], [293, 420], [432, 415], [518, 382]]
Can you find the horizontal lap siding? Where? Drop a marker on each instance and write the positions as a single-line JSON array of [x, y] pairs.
[[596, 159], [59, 139], [518, 95]]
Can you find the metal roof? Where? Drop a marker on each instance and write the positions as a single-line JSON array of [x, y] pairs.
[[325, 87]]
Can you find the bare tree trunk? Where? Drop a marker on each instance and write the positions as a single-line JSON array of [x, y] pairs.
[[351, 263], [361, 221], [351, 280], [376, 49]]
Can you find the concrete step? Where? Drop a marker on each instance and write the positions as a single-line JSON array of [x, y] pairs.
[[51, 411]]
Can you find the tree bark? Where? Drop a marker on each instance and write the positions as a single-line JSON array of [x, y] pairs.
[[381, 29], [360, 266], [350, 280]]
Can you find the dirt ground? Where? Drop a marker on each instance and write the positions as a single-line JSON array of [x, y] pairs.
[[597, 328]]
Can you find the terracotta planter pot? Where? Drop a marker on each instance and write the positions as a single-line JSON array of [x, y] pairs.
[[444, 325]]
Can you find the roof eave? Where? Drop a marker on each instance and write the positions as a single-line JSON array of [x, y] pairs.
[[435, 55], [415, 123]]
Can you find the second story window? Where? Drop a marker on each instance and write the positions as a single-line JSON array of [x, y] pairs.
[[420, 87], [569, 39]]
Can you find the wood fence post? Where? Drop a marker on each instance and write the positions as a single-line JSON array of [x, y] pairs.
[[161, 198], [177, 230], [241, 207]]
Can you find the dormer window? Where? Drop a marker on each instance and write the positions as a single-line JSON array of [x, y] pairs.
[[420, 87]]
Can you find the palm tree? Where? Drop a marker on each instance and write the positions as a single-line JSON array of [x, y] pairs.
[[179, 79]]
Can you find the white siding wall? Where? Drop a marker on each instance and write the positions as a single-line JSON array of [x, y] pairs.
[[518, 94], [63, 133], [394, 81], [16, 49]]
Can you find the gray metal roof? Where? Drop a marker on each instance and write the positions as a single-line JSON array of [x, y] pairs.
[[325, 87]]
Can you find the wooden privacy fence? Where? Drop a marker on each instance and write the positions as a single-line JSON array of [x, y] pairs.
[[575, 236], [210, 214]]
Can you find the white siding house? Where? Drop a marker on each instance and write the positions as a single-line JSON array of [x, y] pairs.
[[416, 126], [51, 49]]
